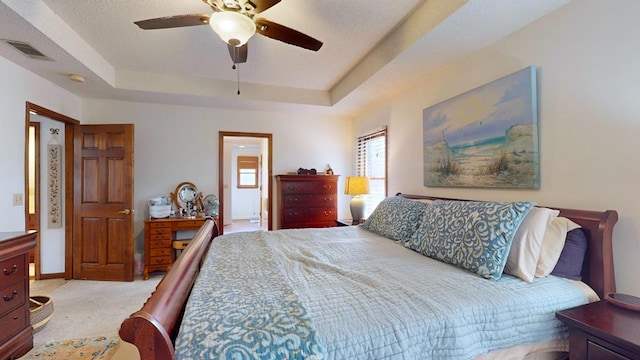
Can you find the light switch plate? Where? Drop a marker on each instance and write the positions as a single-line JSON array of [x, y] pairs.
[[18, 199]]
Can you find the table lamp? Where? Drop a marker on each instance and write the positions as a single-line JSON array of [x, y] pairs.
[[356, 186]]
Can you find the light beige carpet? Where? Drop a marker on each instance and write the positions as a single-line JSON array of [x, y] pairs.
[[86, 309]]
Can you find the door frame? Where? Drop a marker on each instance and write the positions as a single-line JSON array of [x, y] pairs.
[[221, 175], [69, 129], [32, 221]]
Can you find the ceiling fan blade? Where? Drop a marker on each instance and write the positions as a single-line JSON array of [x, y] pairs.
[[287, 35], [173, 21], [238, 53], [262, 5]]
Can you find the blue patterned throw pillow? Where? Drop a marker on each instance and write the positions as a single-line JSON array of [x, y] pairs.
[[396, 217], [474, 235]]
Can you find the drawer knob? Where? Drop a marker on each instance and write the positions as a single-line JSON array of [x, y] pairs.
[[13, 296], [327, 186], [14, 269]]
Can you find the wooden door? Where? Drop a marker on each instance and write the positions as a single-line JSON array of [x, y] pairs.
[[103, 199]]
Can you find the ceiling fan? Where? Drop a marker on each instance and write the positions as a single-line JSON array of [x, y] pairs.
[[234, 21]]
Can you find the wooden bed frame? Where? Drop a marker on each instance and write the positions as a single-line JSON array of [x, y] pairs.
[[153, 328]]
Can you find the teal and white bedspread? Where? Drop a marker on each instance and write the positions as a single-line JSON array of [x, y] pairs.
[[346, 293]]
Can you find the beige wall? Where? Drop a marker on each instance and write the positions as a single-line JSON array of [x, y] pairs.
[[587, 55], [180, 143], [17, 87]]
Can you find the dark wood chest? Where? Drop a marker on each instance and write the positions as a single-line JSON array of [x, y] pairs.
[[16, 333], [307, 201]]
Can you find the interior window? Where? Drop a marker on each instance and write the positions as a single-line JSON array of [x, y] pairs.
[[247, 172]]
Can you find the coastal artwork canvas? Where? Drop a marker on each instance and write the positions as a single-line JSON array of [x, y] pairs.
[[486, 137]]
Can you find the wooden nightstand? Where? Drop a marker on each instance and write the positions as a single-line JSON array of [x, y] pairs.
[[602, 331]]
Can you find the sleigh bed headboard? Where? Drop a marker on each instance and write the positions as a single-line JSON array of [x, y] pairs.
[[597, 269]]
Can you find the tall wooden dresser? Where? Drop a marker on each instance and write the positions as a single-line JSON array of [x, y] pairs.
[[16, 333], [307, 201]]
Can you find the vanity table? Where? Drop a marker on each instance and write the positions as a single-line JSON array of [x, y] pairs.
[[159, 237], [160, 240]]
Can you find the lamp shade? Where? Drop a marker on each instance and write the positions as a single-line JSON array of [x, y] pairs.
[[356, 185], [232, 27]]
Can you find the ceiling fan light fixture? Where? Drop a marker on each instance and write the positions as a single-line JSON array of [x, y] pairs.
[[234, 28]]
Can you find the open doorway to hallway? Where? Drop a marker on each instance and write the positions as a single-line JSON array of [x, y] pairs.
[[48, 170], [245, 181]]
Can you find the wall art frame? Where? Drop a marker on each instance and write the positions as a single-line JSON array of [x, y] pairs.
[[486, 137], [54, 218]]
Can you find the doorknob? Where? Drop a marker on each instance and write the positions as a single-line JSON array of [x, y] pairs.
[[125, 211]]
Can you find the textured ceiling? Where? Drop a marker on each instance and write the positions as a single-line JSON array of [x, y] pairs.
[[370, 52]]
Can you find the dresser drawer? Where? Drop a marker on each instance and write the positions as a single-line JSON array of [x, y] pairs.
[[306, 187], [598, 352], [159, 260], [191, 224], [12, 296], [153, 244], [295, 215], [13, 269], [160, 231], [160, 252], [308, 224], [159, 224], [310, 200], [154, 237], [13, 322]]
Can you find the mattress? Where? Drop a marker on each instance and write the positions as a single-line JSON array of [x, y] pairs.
[[346, 293]]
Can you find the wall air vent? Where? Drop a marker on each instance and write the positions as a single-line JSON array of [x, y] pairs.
[[27, 50]]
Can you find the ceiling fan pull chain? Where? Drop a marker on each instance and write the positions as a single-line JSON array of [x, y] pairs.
[[238, 72]]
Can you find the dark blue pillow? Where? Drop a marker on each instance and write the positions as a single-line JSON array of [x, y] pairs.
[[572, 256]]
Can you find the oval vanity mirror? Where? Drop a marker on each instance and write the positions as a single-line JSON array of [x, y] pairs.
[[186, 192]]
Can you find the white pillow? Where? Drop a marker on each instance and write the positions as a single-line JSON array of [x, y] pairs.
[[527, 243], [554, 238]]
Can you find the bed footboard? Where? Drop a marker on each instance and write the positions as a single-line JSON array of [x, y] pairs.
[[153, 328]]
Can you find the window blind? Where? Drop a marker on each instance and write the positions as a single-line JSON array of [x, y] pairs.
[[371, 161], [247, 172]]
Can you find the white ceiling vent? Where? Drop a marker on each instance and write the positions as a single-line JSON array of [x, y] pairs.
[[27, 50]]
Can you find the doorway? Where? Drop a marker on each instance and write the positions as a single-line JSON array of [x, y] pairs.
[[251, 207], [93, 194], [44, 127]]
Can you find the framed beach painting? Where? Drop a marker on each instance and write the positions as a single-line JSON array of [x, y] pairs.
[[486, 137]]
